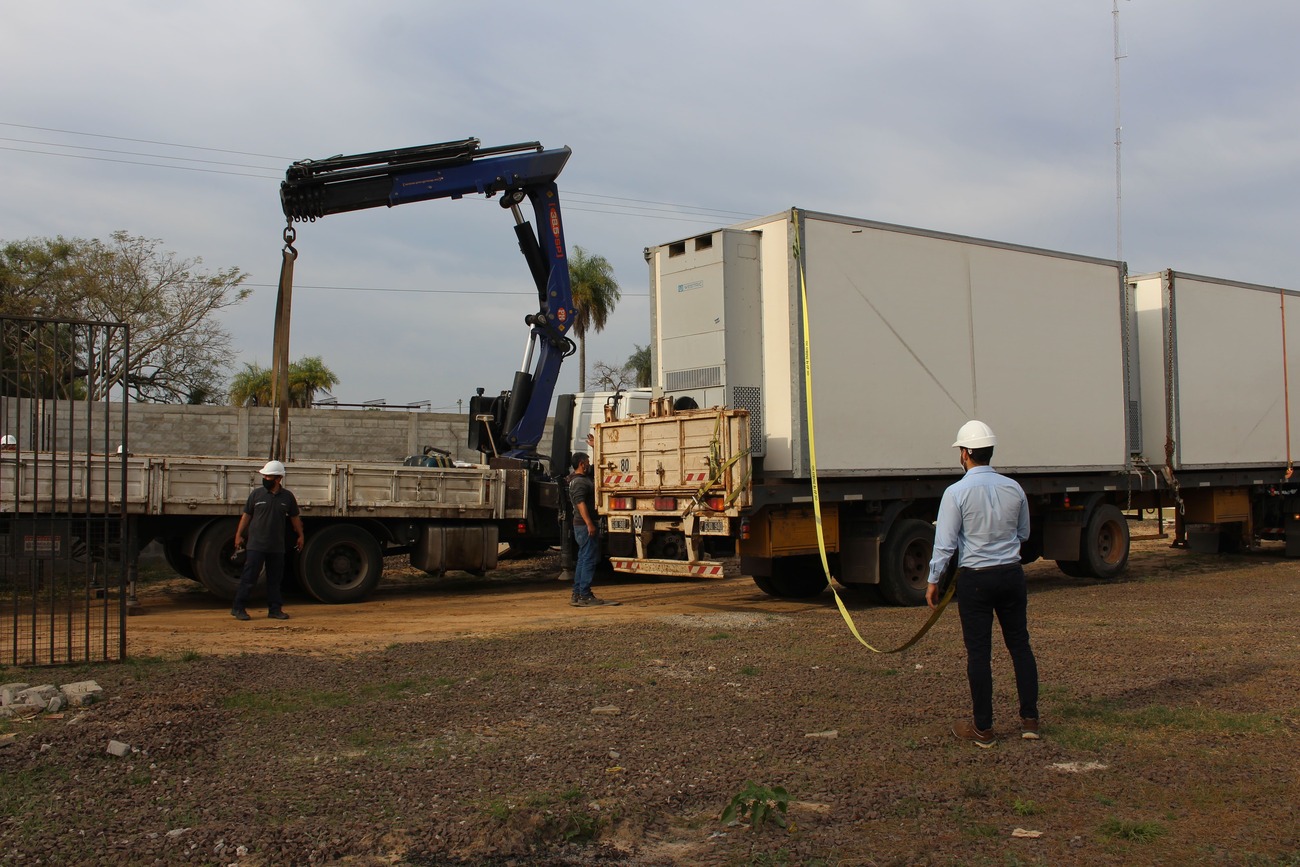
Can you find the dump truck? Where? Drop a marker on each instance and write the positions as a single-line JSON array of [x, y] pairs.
[[809, 346]]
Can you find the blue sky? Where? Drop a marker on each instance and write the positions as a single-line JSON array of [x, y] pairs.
[[991, 120]]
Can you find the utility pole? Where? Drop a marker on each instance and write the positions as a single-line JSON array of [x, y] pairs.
[[1119, 139]]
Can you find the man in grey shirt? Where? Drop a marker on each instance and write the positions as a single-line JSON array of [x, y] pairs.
[[265, 513]]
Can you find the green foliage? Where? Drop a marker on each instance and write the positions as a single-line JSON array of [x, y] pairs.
[[638, 363], [178, 350], [1133, 832], [759, 804], [1025, 808], [595, 294], [306, 377]]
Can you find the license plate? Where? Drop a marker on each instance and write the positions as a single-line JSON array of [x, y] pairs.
[[620, 525], [713, 526]]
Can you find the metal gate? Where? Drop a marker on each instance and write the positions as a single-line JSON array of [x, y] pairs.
[[63, 523]]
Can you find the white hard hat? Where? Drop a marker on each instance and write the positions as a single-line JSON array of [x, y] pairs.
[[273, 468], [9, 440], [975, 435]]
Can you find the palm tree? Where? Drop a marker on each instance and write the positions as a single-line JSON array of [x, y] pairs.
[[639, 363], [306, 377], [595, 292]]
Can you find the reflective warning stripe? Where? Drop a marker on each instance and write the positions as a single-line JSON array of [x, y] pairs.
[[679, 568]]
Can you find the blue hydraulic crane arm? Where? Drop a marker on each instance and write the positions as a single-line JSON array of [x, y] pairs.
[[313, 189]]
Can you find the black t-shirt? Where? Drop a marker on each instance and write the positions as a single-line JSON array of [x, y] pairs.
[[268, 513], [582, 489]]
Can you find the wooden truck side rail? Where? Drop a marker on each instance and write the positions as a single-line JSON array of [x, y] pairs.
[[166, 486]]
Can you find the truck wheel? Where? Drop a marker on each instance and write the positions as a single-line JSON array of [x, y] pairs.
[[1105, 543], [799, 577], [180, 562], [341, 563], [905, 562], [1073, 568], [212, 563]]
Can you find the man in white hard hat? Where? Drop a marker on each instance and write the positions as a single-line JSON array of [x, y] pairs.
[[983, 518], [265, 513]]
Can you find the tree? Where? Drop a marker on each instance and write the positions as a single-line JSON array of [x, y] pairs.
[[595, 292], [306, 377], [638, 363], [178, 349], [610, 378]]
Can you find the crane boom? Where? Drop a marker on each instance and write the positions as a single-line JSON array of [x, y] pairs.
[[514, 420]]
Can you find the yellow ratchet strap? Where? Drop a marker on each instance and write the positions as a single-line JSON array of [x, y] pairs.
[[812, 460]]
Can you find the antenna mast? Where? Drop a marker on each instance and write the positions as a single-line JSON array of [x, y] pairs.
[[1119, 139]]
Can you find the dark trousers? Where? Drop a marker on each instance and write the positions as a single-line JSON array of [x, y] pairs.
[[274, 563], [980, 595]]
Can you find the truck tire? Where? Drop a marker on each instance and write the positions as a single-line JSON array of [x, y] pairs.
[[1105, 543], [180, 562], [340, 563], [799, 577], [212, 564], [1074, 568], [905, 562]]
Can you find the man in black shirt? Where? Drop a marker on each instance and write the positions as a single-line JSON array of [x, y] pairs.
[[265, 512], [582, 493]]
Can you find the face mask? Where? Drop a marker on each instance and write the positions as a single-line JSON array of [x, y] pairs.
[[269, 484]]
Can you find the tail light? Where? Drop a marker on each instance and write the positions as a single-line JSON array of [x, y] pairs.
[[717, 504], [623, 503], [665, 504], [744, 528]]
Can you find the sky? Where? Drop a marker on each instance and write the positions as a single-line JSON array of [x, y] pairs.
[[177, 121]]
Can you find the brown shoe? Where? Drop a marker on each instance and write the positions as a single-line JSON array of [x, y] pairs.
[[965, 729], [1029, 728]]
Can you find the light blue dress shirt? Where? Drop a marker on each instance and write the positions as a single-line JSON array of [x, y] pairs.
[[985, 516]]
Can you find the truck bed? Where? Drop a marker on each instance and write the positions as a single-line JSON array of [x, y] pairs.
[[159, 485]]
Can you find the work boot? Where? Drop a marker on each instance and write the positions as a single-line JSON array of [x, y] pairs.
[[239, 614], [965, 729], [277, 615], [1029, 728], [590, 601]]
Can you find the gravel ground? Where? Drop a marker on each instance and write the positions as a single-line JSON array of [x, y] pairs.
[[1171, 711]]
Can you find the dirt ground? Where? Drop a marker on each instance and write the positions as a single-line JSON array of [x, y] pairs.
[[484, 721]]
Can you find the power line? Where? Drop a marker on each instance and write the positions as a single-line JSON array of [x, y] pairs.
[[140, 140], [639, 207], [531, 294]]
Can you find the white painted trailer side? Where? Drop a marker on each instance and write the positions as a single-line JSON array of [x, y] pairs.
[[1215, 372], [912, 333]]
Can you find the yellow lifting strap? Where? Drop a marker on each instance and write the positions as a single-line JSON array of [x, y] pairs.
[[812, 461]]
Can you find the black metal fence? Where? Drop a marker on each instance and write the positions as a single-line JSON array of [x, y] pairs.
[[63, 465]]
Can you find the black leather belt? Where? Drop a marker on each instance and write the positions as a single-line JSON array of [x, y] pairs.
[[1004, 567]]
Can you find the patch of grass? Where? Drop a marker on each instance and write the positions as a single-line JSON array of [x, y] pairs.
[[272, 704], [1133, 832], [906, 808], [395, 690], [1106, 801], [749, 670], [1161, 717], [572, 794], [974, 787], [719, 636], [579, 827], [498, 809], [1025, 808]]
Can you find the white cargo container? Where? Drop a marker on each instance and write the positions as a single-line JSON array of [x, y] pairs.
[[1215, 370], [911, 334]]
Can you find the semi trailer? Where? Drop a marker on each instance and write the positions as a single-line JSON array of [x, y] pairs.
[[857, 347]]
